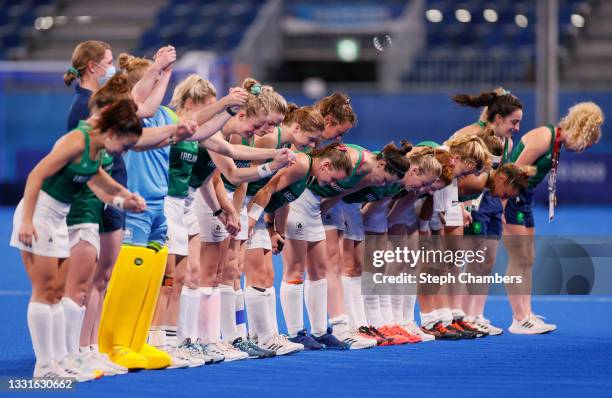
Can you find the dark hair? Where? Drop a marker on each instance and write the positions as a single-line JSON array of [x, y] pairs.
[[307, 117], [444, 158], [337, 105], [497, 102], [338, 155], [115, 89], [395, 158], [493, 144], [121, 117]]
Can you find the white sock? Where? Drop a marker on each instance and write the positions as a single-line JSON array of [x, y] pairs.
[[40, 324], [409, 303], [214, 326], [228, 313], [397, 308], [183, 313], [372, 309], [241, 319], [315, 296], [358, 304], [259, 314], [446, 316], [193, 305], [429, 319], [292, 302], [59, 332], [170, 333], [340, 325], [74, 315], [272, 308], [385, 309], [349, 304], [205, 314], [457, 313]]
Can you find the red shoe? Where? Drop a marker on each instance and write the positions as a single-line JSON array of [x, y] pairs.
[[412, 338], [381, 340], [389, 333]]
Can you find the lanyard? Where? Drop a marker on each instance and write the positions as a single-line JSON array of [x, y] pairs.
[[552, 178]]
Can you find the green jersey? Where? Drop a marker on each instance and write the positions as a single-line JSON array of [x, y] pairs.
[[65, 185], [86, 208], [255, 186], [290, 193], [371, 194], [183, 157], [203, 167], [333, 189], [543, 164], [241, 164], [431, 144]]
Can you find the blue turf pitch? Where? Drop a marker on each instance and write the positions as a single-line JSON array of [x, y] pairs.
[[572, 361]]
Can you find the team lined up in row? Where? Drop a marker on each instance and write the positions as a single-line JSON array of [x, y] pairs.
[[215, 187]]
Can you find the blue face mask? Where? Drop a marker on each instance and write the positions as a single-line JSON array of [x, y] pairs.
[[109, 72]]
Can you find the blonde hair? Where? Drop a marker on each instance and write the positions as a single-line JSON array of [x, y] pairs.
[[517, 176], [194, 88], [426, 161], [583, 123], [86, 51], [471, 150], [276, 102], [133, 66], [494, 145], [307, 117], [256, 103]]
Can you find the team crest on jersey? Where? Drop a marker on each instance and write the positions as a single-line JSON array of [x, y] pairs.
[[127, 233]]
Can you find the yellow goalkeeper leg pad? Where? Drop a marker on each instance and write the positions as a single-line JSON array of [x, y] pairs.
[[127, 358], [141, 331], [125, 297], [156, 359]]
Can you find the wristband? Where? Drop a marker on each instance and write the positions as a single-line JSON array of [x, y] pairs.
[[255, 211], [264, 170], [118, 203], [218, 212], [231, 111]]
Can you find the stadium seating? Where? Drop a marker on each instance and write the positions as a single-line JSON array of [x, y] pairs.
[[16, 18]]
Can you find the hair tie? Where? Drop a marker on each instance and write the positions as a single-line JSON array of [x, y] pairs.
[[348, 101], [342, 147], [74, 71], [256, 89]]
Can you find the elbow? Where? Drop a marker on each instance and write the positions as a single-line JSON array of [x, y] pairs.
[[233, 179], [144, 111]]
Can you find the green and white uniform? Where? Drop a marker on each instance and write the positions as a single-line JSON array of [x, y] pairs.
[[85, 216], [376, 221], [53, 204], [305, 221]]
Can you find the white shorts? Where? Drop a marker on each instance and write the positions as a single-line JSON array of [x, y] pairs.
[[376, 220], [447, 200], [408, 218], [178, 240], [334, 218], [190, 219], [261, 237], [434, 224], [354, 222], [211, 229], [304, 219], [88, 232], [50, 224]]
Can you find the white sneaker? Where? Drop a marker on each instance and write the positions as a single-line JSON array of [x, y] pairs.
[[78, 370], [210, 352], [103, 357], [96, 362], [527, 326], [179, 358], [354, 340], [227, 350], [539, 319], [485, 324], [281, 345], [413, 328], [50, 371], [89, 365], [196, 353]]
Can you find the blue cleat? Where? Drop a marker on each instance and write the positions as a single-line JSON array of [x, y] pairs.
[[331, 342], [309, 342]]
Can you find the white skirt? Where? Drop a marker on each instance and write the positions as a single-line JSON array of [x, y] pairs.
[[304, 219], [354, 222], [334, 217], [50, 224], [178, 240], [87, 232], [376, 220], [211, 229], [408, 218], [261, 237], [189, 218]]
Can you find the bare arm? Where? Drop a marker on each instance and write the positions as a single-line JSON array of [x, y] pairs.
[[217, 144], [142, 90], [328, 203], [155, 137], [401, 205], [536, 146]]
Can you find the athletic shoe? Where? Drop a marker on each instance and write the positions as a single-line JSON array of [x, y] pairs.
[[180, 358], [381, 339], [355, 340], [309, 342], [331, 342], [389, 333], [210, 352], [196, 353], [88, 363], [252, 349], [127, 358], [103, 361], [540, 320], [470, 327], [52, 370], [464, 334], [412, 338], [281, 345], [528, 325], [77, 371], [485, 324], [227, 350], [414, 329], [440, 332]]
